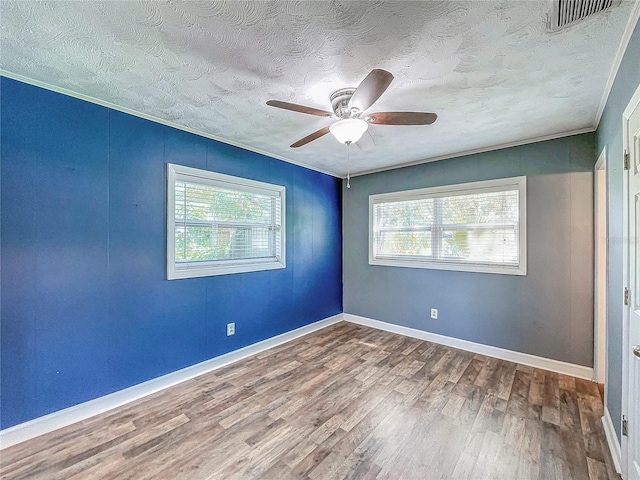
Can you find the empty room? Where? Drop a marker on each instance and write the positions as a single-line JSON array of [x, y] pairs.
[[320, 240]]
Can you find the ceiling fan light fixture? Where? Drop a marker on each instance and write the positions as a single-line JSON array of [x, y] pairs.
[[349, 104], [349, 130]]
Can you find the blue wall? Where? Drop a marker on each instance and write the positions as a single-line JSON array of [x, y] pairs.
[[609, 135], [548, 312], [86, 309]]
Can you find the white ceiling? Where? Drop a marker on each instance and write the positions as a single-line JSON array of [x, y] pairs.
[[489, 69]]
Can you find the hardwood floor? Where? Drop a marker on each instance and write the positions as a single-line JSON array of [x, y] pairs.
[[344, 402]]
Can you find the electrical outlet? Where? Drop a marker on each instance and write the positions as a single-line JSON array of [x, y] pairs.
[[231, 329], [434, 313]]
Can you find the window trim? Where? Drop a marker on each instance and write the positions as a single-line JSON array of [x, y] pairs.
[[177, 271], [487, 186]]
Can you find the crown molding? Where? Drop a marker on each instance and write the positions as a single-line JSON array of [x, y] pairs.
[[464, 153], [97, 101], [624, 43]]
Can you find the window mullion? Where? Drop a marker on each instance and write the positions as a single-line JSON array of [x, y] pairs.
[[437, 228], [272, 230], [184, 224]]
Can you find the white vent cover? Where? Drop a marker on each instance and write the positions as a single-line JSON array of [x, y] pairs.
[[567, 12]]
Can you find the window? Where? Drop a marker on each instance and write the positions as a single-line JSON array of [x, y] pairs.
[[473, 227], [219, 224]]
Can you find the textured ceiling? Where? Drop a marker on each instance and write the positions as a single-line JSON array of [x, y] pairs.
[[489, 69]]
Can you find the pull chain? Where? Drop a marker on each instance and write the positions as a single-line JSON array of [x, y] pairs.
[[348, 166]]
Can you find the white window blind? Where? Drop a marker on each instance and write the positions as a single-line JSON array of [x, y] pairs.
[[218, 224], [478, 226]]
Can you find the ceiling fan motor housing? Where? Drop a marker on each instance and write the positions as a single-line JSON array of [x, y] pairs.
[[348, 105], [340, 102]]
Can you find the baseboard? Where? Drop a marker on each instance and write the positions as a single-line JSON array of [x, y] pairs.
[[62, 418], [501, 353], [612, 440]]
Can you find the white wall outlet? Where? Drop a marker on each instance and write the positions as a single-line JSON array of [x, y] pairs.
[[231, 329], [434, 313]]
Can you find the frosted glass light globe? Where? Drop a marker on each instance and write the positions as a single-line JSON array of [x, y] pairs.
[[349, 130]]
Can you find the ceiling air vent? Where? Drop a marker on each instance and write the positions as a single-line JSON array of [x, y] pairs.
[[565, 13]]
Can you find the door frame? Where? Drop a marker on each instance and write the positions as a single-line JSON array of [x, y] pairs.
[[601, 267], [629, 408]]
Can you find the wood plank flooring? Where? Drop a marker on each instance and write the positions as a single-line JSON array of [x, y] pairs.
[[347, 402]]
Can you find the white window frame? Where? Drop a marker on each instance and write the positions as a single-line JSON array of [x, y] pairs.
[[181, 270], [519, 183]]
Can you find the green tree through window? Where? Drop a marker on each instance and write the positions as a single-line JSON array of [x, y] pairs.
[[222, 224]]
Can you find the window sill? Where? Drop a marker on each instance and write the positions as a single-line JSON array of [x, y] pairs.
[[195, 271], [457, 267]]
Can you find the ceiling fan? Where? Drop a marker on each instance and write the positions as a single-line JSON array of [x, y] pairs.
[[349, 105]]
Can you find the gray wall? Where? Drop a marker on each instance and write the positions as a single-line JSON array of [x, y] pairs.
[[548, 312], [609, 135]]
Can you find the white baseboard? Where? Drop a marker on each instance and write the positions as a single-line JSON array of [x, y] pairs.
[[501, 353], [612, 440], [62, 418]]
